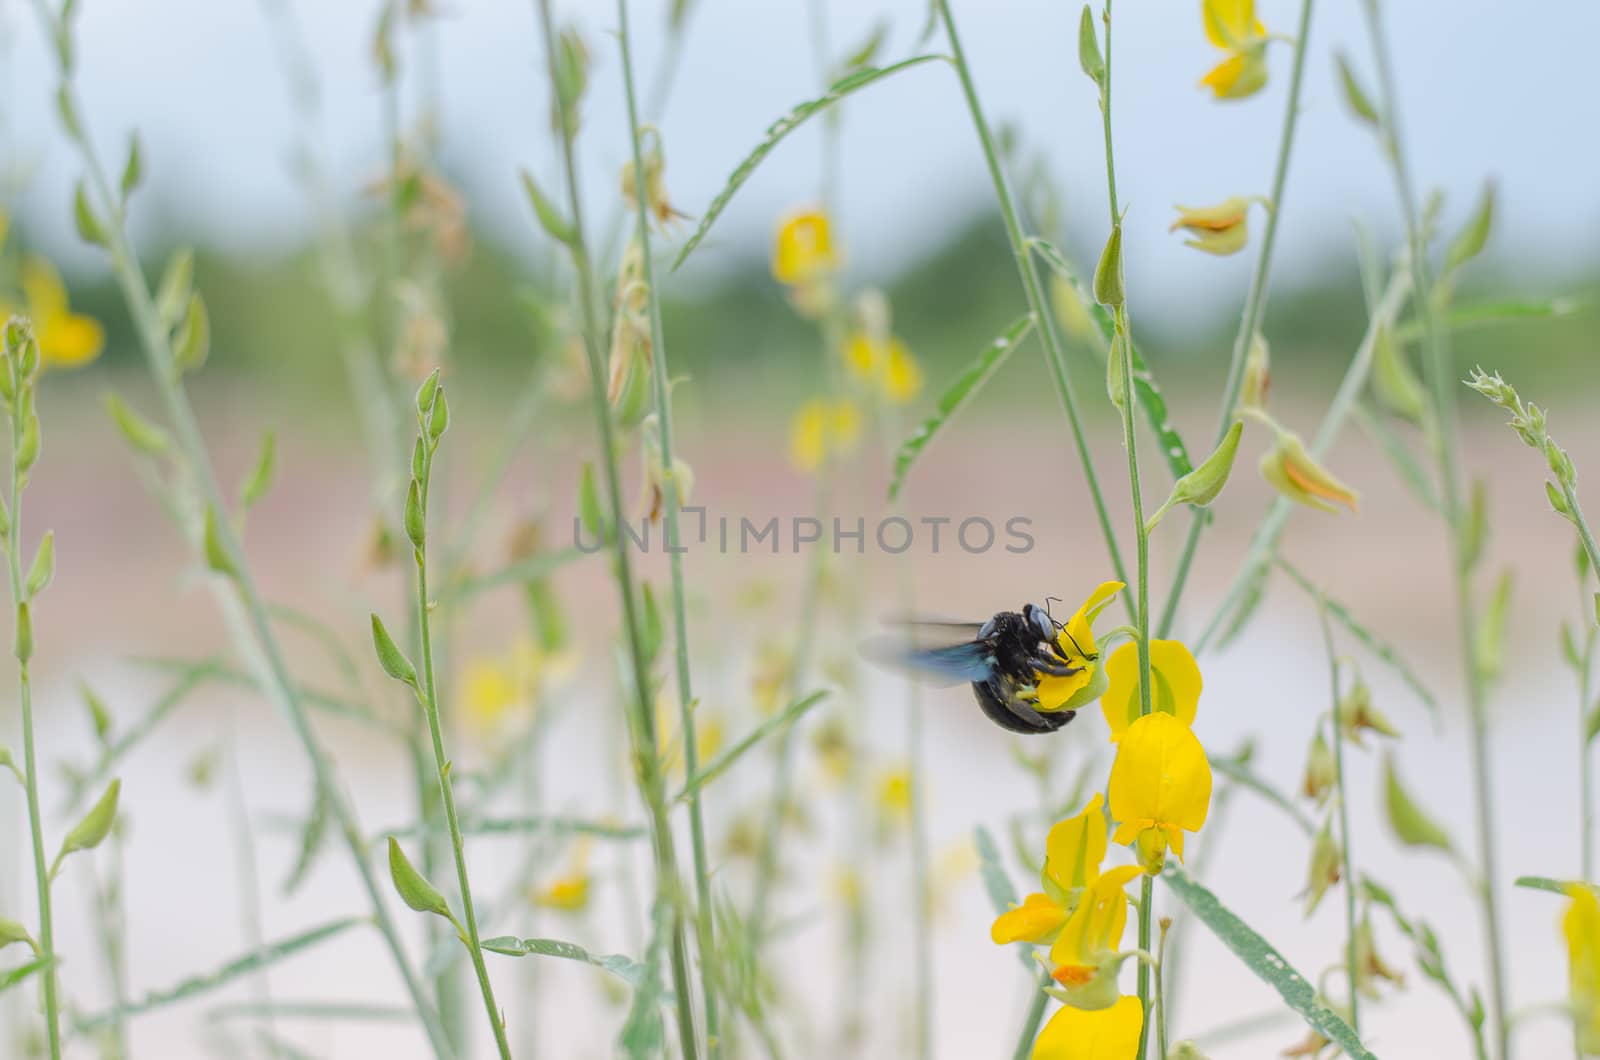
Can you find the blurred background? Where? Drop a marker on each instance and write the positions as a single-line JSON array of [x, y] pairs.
[[267, 138]]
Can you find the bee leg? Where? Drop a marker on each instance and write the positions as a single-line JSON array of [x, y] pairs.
[[1046, 665]]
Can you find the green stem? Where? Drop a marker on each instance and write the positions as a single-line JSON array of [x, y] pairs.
[[30, 765], [643, 726], [1161, 990], [1585, 779], [1030, 1022], [1130, 441], [1033, 288], [1254, 307], [156, 344], [704, 925], [430, 705], [1441, 378], [1343, 794]]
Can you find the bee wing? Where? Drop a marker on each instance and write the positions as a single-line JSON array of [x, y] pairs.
[[948, 664]]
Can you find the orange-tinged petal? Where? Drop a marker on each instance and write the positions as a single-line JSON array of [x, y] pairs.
[[1037, 919], [1174, 678], [1079, 1034], [1161, 775], [1076, 847], [1296, 474]]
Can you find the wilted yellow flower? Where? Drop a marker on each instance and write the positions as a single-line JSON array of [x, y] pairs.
[[1077, 643], [1073, 852], [1160, 787], [823, 429], [1581, 925], [1296, 474], [1232, 26], [1257, 374], [1079, 1034], [1222, 229], [1174, 680], [803, 251], [655, 185], [1084, 958], [1321, 770], [884, 365], [1324, 872], [1357, 715], [1370, 965], [66, 339], [568, 892]]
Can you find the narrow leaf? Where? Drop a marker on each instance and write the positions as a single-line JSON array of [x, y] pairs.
[[1411, 823], [217, 557], [44, 565], [1355, 97], [1554, 886], [192, 343], [627, 969], [788, 716], [90, 229], [177, 284], [1470, 241], [241, 966], [551, 219], [1266, 962], [94, 827], [133, 169], [12, 976], [140, 433], [782, 128], [390, 657], [1089, 59], [958, 394], [260, 480]]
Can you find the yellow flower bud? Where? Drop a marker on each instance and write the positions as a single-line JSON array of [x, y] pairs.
[[803, 251], [1370, 966], [1294, 473], [1320, 770], [1222, 229], [1257, 374]]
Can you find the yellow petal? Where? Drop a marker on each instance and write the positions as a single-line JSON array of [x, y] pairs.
[[1175, 684], [70, 340], [1581, 926], [1224, 215], [1095, 926], [1161, 775], [1076, 847], [1076, 1034], [902, 378], [1037, 919], [1221, 242], [1077, 643], [1240, 75], [803, 250], [1230, 23], [860, 356], [808, 436]]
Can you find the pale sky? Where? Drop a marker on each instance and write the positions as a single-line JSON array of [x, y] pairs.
[[1485, 93]]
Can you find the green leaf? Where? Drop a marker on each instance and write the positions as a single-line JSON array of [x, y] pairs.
[[1355, 97], [253, 961], [1554, 886], [1397, 386], [1266, 962], [13, 976], [144, 436], [311, 842], [1404, 463], [133, 169], [44, 565], [412, 886], [784, 718], [1144, 381], [1341, 614], [177, 284], [12, 932], [1470, 241], [1089, 59], [782, 128], [1476, 532], [390, 657], [590, 513], [90, 228], [415, 519], [94, 827], [521, 572], [861, 55], [99, 715], [627, 969], [554, 223], [967, 384], [260, 480], [353, 1011], [192, 343], [1108, 289], [1410, 822], [654, 631], [1492, 629], [217, 557], [22, 642], [542, 826]]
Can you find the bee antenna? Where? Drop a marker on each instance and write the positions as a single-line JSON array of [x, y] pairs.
[[1074, 640], [1047, 602]]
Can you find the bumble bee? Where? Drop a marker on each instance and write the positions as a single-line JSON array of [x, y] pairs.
[[1002, 658]]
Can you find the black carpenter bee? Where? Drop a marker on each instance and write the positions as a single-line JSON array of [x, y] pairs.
[[1002, 658]]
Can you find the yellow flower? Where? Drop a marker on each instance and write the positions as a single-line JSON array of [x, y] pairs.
[[894, 795], [1222, 229], [1581, 925], [1077, 1034], [1232, 26], [1160, 788], [823, 429], [488, 690], [1294, 473], [1077, 642], [1084, 959], [1073, 852], [803, 251], [568, 892], [1174, 680], [885, 365], [66, 339]]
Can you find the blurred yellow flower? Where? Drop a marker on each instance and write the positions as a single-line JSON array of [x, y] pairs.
[[894, 795], [1222, 229], [803, 251], [1581, 925], [1174, 680], [66, 339], [488, 690], [1232, 26], [884, 365], [1078, 1034], [823, 429], [493, 687], [1073, 852], [707, 735], [1160, 788], [569, 892], [1296, 474], [1084, 958], [1077, 642]]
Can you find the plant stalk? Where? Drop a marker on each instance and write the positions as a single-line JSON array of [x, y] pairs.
[[1352, 965]]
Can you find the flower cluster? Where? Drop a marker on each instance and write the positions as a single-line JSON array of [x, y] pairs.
[[1159, 788]]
